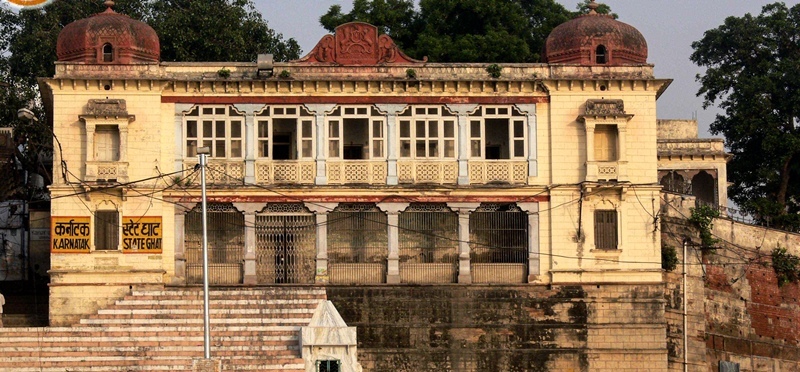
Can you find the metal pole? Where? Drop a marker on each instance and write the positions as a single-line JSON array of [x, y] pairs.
[[202, 153], [685, 311]]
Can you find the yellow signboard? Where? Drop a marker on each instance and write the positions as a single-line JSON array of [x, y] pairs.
[[141, 235], [69, 234]]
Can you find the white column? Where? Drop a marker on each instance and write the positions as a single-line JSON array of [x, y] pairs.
[[622, 161], [321, 211], [462, 110], [180, 133], [530, 112], [249, 210], [90, 128], [591, 166], [533, 240], [393, 218], [463, 210], [249, 111], [391, 111], [319, 110]]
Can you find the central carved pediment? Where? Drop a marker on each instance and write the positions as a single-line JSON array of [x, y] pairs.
[[605, 107], [357, 43]]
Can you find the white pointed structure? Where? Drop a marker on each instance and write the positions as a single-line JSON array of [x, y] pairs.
[[328, 338]]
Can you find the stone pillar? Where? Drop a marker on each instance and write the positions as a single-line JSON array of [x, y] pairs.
[[319, 110], [463, 210], [462, 110], [591, 166], [123, 142], [90, 128], [533, 240], [249, 111], [249, 210], [533, 166], [321, 211], [180, 109], [391, 111], [392, 218], [179, 241]]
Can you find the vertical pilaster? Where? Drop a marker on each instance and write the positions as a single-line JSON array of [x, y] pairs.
[[591, 166], [123, 143], [463, 210], [393, 218], [90, 129], [622, 160], [462, 110], [179, 241], [180, 109], [319, 110], [249, 111], [533, 240], [530, 112], [321, 211], [249, 210], [391, 111]]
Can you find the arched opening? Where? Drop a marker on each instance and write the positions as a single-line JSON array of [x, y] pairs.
[[600, 54], [703, 188], [108, 53], [674, 182]]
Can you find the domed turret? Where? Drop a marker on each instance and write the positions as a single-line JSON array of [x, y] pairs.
[[108, 38], [595, 39]]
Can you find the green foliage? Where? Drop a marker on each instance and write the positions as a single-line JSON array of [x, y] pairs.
[[411, 74], [751, 73], [703, 219], [460, 31], [786, 266], [583, 8], [494, 70], [285, 74], [669, 258], [224, 73]]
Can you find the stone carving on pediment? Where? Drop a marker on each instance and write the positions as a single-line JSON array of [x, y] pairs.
[[106, 107], [357, 43], [605, 107]]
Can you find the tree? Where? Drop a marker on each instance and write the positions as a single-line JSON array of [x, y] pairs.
[[460, 31], [189, 30], [752, 75]]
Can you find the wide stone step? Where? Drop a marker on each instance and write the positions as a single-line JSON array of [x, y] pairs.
[[295, 321]]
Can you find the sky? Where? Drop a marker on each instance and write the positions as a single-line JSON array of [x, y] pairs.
[[669, 27]]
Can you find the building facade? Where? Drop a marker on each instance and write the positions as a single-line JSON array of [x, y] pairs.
[[357, 165]]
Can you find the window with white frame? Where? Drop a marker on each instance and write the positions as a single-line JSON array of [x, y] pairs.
[[497, 132], [284, 133], [427, 132], [221, 128], [356, 133]]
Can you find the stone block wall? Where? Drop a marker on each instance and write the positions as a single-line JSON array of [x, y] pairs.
[[506, 328]]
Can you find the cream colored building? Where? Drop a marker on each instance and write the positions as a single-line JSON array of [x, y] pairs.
[[355, 164]]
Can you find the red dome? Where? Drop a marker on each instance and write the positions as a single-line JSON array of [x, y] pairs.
[[108, 38], [595, 39]]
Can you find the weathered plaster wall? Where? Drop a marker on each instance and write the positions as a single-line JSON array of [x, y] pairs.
[[506, 328]]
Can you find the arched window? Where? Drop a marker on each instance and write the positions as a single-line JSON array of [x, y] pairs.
[[108, 53], [600, 54]]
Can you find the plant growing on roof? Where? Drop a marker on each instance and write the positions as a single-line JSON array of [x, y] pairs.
[[494, 70]]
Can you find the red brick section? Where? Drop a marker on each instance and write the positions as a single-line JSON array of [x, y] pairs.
[[252, 329], [773, 310]]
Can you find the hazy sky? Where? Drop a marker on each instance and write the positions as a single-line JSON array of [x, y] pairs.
[[670, 27]]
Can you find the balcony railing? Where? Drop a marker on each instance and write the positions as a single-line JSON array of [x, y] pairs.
[[502, 171], [357, 171], [427, 171], [106, 171], [222, 172], [286, 171]]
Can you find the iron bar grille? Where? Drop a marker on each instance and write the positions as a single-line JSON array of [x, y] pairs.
[[225, 245], [285, 244], [357, 244], [428, 246]]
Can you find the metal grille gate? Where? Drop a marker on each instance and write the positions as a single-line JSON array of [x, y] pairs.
[[498, 243], [358, 244], [225, 244], [428, 244], [285, 244]]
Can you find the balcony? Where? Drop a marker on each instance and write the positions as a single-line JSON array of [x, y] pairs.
[[498, 171], [285, 171], [108, 171], [222, 172], [606, 171], [427, 171], [357, 172]]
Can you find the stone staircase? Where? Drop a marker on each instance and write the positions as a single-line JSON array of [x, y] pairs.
[[256, 329]]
